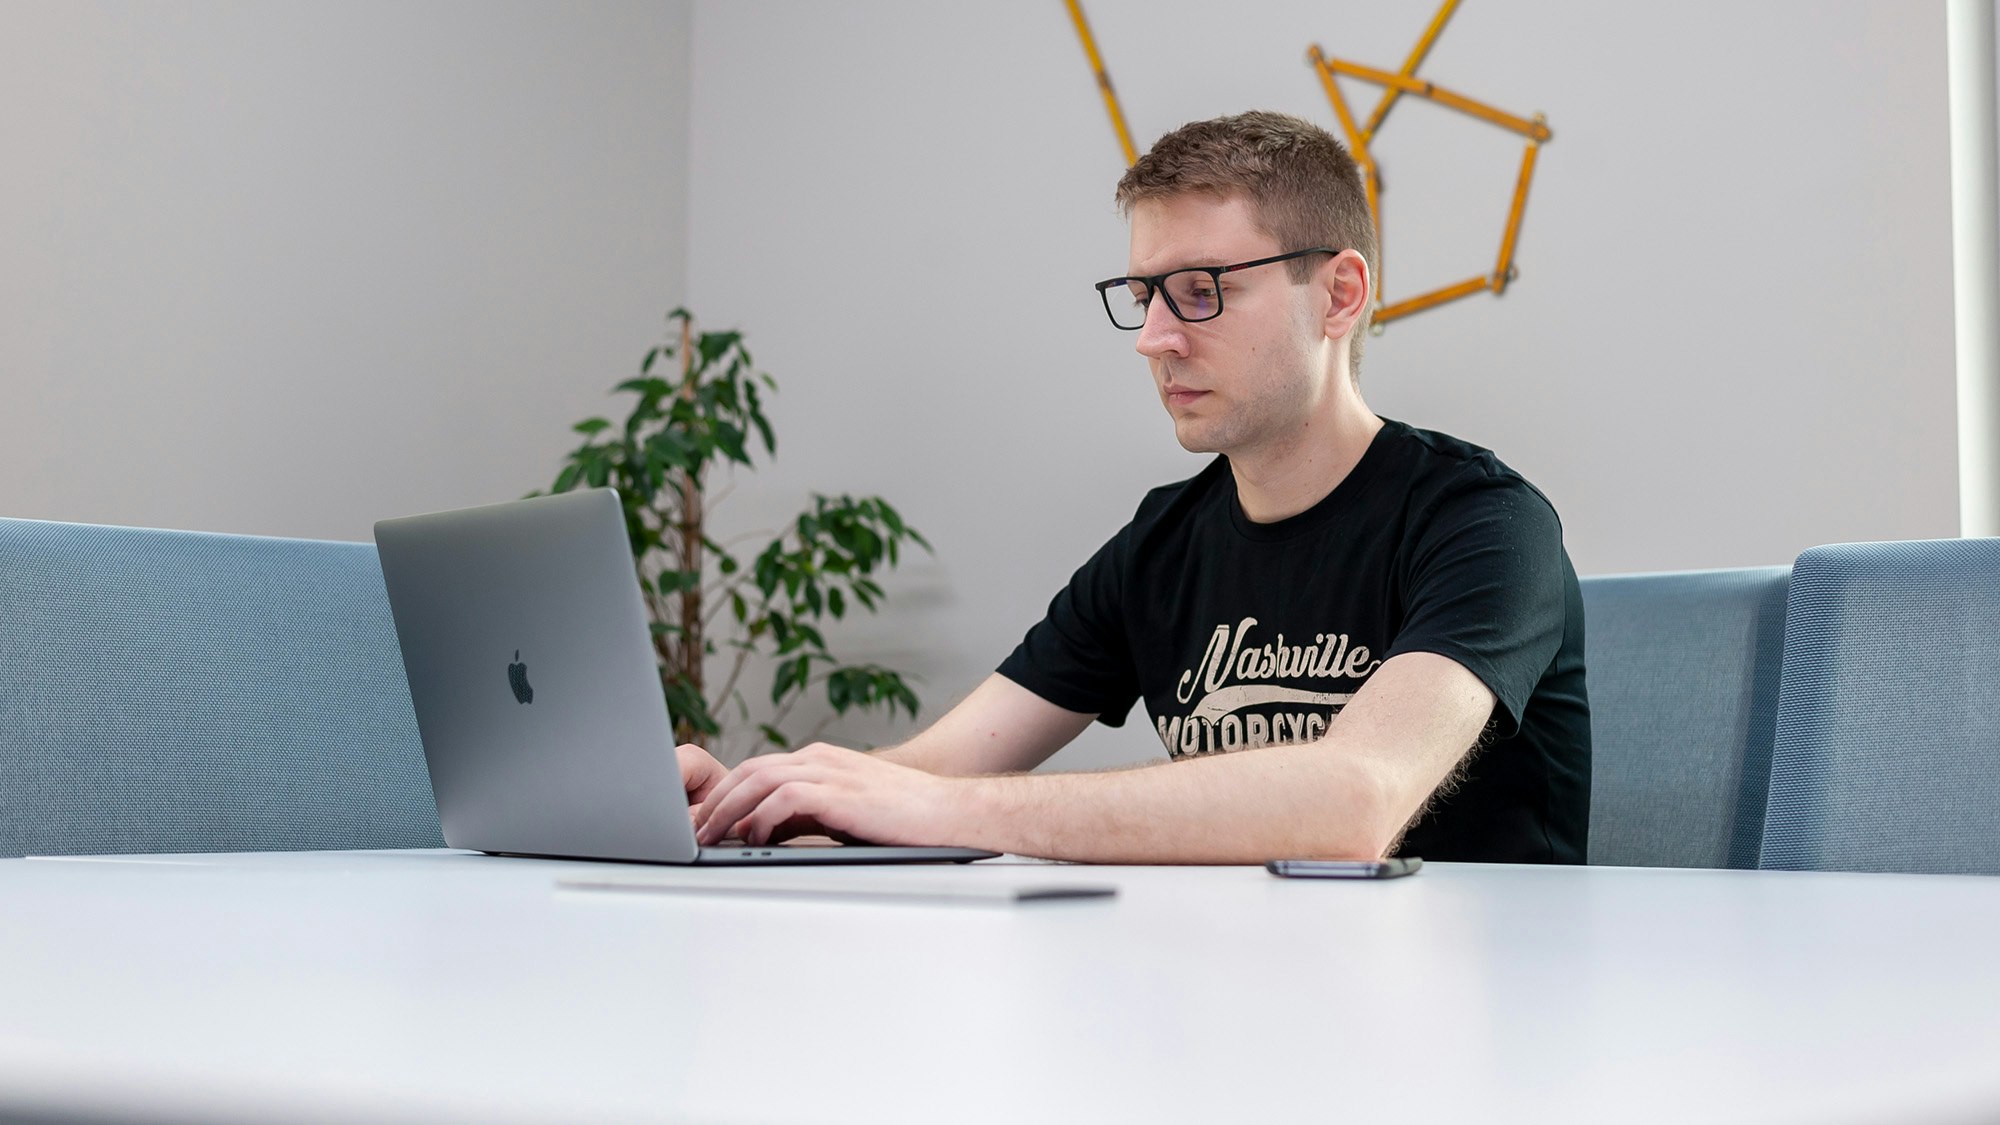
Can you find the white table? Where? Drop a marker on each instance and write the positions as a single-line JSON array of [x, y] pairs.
[[399, 985]]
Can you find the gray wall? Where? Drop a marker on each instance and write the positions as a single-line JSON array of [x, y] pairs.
[[1731, 338], [287, 268]]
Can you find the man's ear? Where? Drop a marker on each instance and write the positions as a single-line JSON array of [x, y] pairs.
[[1351, 289]]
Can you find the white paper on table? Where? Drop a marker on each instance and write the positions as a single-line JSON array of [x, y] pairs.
[[884, 890]]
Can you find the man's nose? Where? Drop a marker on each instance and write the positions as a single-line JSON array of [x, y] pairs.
[[1163, 333]]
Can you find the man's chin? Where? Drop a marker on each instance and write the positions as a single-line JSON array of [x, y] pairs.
[[1194, 438]]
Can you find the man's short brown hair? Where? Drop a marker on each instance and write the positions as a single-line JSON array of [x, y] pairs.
[[1303, 188]]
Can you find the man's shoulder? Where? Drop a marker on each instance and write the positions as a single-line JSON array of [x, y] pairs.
[[1444, 454], [1441, 466]]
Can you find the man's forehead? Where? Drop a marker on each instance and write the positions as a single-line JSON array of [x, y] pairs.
[[1178, 232]]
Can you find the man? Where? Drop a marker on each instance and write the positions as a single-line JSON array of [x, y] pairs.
[[1355, 638]]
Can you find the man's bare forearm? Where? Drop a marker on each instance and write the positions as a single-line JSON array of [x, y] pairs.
[[1000, 727], [1280, 801], [927, 754], [1346, 796]]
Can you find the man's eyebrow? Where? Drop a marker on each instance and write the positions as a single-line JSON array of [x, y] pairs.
[[1204, 262]]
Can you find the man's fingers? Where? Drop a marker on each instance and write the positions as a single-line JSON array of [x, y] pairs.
[[718, 793], [700, 772], [740, 793], [789, 801]]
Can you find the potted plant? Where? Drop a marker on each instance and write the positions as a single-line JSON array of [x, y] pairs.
[[698, 408]]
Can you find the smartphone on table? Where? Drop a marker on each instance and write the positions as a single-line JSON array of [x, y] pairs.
[[1345, 868]]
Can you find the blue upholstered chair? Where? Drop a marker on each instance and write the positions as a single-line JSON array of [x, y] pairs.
[[1683, 679], [174, 691], [1888, 742]]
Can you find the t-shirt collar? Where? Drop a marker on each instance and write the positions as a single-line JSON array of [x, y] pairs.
[[1356, 483]]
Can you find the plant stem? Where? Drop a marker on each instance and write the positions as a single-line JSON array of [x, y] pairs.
[[691, 647], [729, 685]]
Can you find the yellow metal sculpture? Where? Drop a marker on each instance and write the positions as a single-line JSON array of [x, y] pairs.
[[1361, 136], [1103, 82]]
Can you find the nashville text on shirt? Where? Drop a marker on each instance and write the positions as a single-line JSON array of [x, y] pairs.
[[1235, 675]]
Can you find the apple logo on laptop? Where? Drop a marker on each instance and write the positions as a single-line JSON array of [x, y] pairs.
[[517, 678]]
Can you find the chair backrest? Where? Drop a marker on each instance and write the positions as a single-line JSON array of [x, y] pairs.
[[1683, 672], [177, 691], [1888, 742]]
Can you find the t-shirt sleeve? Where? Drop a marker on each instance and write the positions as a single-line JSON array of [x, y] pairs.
[[1077, 657], [1485, 587]]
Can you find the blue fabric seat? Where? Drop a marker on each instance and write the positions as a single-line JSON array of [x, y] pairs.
[[1684, 676], [1888, 743], [175, 691]]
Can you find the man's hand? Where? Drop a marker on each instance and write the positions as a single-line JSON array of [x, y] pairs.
[[827, 790], [700, 774]]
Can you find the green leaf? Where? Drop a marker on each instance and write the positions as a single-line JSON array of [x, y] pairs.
[[758, 420], [844, 533], [670, 450], [839, 692], [768, 571], [676, 581], [566, 479], [781, 680], [730, 440], [591, 425], [773, 735], [836, 603], [685, 704], [650, 387], [714, 344]]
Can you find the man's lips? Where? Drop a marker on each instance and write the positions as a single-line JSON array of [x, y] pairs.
[[1181, 396]]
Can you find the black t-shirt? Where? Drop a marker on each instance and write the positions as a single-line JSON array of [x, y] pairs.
[[1241, 634]]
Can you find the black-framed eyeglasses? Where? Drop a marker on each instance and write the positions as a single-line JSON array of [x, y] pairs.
[[1193, 294]]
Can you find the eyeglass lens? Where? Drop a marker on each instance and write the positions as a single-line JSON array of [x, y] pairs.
[[1192, 293]]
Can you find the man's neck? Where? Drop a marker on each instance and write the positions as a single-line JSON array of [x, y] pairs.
[[1284, 480]]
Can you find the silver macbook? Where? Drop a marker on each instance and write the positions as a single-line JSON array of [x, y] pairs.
[[531, 666]]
